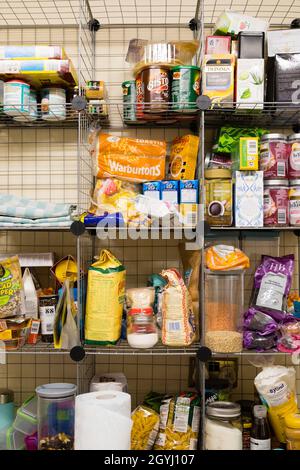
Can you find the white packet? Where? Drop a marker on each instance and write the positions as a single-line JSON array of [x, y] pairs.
[[30, 294]]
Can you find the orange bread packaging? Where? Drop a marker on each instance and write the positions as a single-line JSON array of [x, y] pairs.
[[224, 258], [128, 159]]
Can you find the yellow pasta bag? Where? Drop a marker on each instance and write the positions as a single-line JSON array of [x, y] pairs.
[[144, 428], [179, 423], [105, 299]]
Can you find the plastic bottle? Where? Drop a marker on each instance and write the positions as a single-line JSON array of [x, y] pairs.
[[260, 432]]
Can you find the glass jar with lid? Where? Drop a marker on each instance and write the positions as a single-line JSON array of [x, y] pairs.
[[292, 431], [294, 203], [276, 202], [224, 306], [56, 412], [218, 197], [274, 156], [223, 427], [141, 328]]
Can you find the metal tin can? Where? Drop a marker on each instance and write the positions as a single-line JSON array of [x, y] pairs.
[[294, 202], [274, 156], [276, 202], [294, 155], [94, 90], [129, 100], [53, 104], [153, 89], [185, 88], [16, 98]]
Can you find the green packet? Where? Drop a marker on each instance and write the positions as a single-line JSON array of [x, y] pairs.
[[229, 137]]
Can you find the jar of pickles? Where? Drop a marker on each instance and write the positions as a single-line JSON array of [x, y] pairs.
[[141, 328]]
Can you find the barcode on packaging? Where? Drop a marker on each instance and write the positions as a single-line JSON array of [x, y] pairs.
[[281, 169], [252, 147], [281, 216]]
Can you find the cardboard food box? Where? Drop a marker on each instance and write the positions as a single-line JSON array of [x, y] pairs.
[[218, 45], [250, 79], [245, 155], [249, 199], [283, 42], [40, 73], [218, 78], [32, 52]]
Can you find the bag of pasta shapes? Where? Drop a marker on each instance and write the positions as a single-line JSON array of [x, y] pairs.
[[144, 428], [12, 302], [178, 319], [179, 423], [105, 299], [129, 159]]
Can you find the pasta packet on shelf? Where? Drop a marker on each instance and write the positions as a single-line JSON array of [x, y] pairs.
[[179, 423], [144, 428]]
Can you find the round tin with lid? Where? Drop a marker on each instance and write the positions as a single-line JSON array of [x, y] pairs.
[[274, 156], [294, 155], [294, 202], [153, 89], [185, 88], [276, 202]]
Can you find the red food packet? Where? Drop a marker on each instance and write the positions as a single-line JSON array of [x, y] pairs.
[[34, 331]]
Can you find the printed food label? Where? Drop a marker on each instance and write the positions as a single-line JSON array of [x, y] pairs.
[[260, 444], [271, 291], [294, 160], [274, 159], [181, 416], [164, 412], [47, 315], [193, 444], [161, 439], [276, 206], [196, 419], [294, 206]]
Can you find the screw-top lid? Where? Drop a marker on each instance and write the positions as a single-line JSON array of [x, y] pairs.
[[293, 137], [292, 420], [217, 173], [276, 182], [260, 411], [6, 396], [223, 410], [56, 390], [273, 136]]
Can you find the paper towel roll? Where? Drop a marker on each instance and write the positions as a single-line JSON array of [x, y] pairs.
[[100, 386], [103, 421]]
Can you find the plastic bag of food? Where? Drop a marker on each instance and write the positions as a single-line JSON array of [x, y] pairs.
[[11, 288], [142, 52], [230, 136], [225, 258], [289, 343], [144, 428], [65, 331], [30, 295], [191, 260], [135, 160], [178, 319], [255, 340], [259, 321], [276, 386], [112, 196], [179, 423], [272, 283], [140, 297], [105, 299], [230, 22]]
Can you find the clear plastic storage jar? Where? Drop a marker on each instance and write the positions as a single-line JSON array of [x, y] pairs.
[[294, 203], [56, 410], [276, 202], [223, 426], [141, 328], [274, 156], [224, 304]]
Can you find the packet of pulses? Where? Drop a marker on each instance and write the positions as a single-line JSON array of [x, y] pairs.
[[179, 423], [178, 319], [134, 160], [105, 299], [225, 258]]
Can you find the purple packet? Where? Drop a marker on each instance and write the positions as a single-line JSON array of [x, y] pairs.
[[259, 321], [253, 340], [272, 283]]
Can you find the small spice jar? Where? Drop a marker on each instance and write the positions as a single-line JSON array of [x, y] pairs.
[[274, 156], [294, 155], [223, 427], [294, 203], [218, 197], [276, 202], [292, 431], [47, 305], [141, 328]]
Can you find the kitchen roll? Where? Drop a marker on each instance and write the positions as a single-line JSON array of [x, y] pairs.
[[103, 421]]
